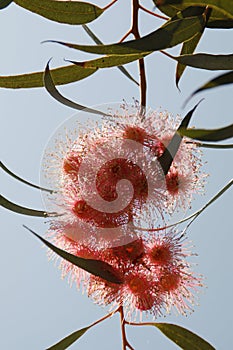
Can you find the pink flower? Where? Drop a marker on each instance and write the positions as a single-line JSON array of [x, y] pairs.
[[108, 180]]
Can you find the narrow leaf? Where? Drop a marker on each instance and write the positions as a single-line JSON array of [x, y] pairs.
[[208, 134], [98, 42], [168, 155], [51, 88], [70, 12], [61, 76], [4, 3], [95, 267], [5, 203], [214, 145], [184, 338], [206, 61], [69, 340], [225, 6], [223, 79], [190, 45], [169, 35], [109, 61], [22, 180]]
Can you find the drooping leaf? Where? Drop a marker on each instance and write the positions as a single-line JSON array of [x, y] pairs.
[[51, 88], [5, 203], [95, 267], [184, 338], [190, 45], [214, 145], [206, 61], [169, 35], [221, 14], [69, 340], [166, 159], [109, 61], [22, 180], [4, 3], [223, 79], [208, 134], [98, 42], [69, 12], [61, 76]]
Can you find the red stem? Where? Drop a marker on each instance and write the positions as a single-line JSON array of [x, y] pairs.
[[125, 343]]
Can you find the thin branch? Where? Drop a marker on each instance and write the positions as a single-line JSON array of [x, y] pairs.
[[152, 13], [125, 343], [109, 5]]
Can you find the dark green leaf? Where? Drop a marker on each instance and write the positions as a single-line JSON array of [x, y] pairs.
[[4, 3], [169, 35], [190, 45], [22, 180], [51, 88], [206, 61], [69, 340], [61, 76], [223, 79], [168, 155], [98, 42], [214, 145], [70, 12], [5, 203], [221, 15], [184, 338], [208, 134], [95, 267]]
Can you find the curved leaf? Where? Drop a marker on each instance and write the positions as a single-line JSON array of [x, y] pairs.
[[69, 12], [206, 61], [169, 35], [5, 203], [98, 42], [166, 159], [51, 88], [221, 15], [190, 45], [22, 180], [95, 267], [208, 134], [184, 338], [4, 3], [69, 340], [223, 79], [61, 76], [109, 61]]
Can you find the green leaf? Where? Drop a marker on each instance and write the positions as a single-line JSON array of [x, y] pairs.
[[51, 88], [208, 134], [206, 61], [4, 3], [223, 79], [221, 15], [168, 155], [95, 267], [109, 61], [22, 180], [70, 12], [98, 42], [213, 145], [61, 76], [190, 45], [5, 203], [169, 35], [184, 338], [69, 340]]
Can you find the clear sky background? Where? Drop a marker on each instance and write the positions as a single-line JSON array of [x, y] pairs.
[[37, 307]]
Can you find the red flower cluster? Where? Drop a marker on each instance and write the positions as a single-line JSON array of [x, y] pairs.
[[108, 180]]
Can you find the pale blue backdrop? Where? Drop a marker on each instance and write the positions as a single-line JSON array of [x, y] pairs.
[[37, 307]]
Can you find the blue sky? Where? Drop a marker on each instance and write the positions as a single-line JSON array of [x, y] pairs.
[[37, 307]]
